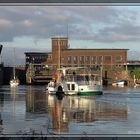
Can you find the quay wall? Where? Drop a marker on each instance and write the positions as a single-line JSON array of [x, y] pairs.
[[108, 76]]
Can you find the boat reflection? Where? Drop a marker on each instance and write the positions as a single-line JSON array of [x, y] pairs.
[[14, 98], [77, 109]]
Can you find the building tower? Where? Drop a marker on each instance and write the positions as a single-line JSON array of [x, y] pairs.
[[58, 45]]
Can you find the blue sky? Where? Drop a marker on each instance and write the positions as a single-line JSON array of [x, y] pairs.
[[30, 28]]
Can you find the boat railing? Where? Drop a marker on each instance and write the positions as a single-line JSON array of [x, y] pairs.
[[91, 83], [82, 79]]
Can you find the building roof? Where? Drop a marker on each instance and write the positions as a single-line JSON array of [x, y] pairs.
[[95, 49], [59, 37], [37, 53]]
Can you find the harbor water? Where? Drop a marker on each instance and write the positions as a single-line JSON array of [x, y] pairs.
[[30, 110]]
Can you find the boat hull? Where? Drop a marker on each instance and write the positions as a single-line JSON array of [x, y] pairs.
[[90, 93], [14, 84], [120, 83], [90, 89], [51, 90]]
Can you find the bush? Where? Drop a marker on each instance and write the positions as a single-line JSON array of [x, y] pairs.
[[136, 73]]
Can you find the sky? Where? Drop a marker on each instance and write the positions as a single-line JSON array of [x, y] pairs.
[[30, 28]]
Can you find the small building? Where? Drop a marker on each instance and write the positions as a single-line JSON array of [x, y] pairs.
[[36, 64], [35, 58]]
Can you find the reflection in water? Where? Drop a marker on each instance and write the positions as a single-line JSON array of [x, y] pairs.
[[13, 95], [73, 109], [1, 98], [36, 101], [59, 116], [1, 106], [81, 109]]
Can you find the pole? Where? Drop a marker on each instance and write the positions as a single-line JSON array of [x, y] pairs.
[[14, 72], [101, 71], [58, 53], [134, 80], [101, 74]]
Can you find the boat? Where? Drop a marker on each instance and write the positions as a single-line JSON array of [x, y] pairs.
[[120, 83], [77, 81], [14, 82], [51, 88]]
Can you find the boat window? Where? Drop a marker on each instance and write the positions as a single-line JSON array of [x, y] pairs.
[[68, 86], [73, 86]]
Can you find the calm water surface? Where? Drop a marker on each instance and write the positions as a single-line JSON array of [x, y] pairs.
[[29, 109]]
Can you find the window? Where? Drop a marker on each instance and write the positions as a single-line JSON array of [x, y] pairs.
[[73, 86], [68, 86], [69, 59], [75, 59], [118, 58], [56, 42], [100, 59], [94, 59], [107, 58], [81, 59], [87, 58]]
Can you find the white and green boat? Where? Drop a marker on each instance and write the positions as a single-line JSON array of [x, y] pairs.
[[79, 81]]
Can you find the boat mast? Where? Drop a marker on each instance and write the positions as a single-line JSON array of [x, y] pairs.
[[58, 53], [14, 72], [101, 69]]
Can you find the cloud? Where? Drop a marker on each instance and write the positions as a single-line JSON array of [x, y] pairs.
[[126, 32], [48, 21], [97, 23], [23, 26]]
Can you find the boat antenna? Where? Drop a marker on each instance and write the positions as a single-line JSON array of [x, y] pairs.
[[14, 71], [68, 35], [67, 31]]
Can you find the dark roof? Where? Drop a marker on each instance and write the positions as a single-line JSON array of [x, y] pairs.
[[45, 53], [79, 49], [57, 38]]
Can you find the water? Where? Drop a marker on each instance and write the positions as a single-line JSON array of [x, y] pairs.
[[30, 110]]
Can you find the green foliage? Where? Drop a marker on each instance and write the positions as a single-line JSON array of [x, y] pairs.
[[136, 73]]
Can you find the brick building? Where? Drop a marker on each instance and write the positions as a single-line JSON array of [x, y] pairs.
[[62, 55]]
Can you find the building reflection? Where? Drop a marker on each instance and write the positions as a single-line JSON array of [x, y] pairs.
[[59, 116], [80, 109], [36, 101], [73, 109]]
